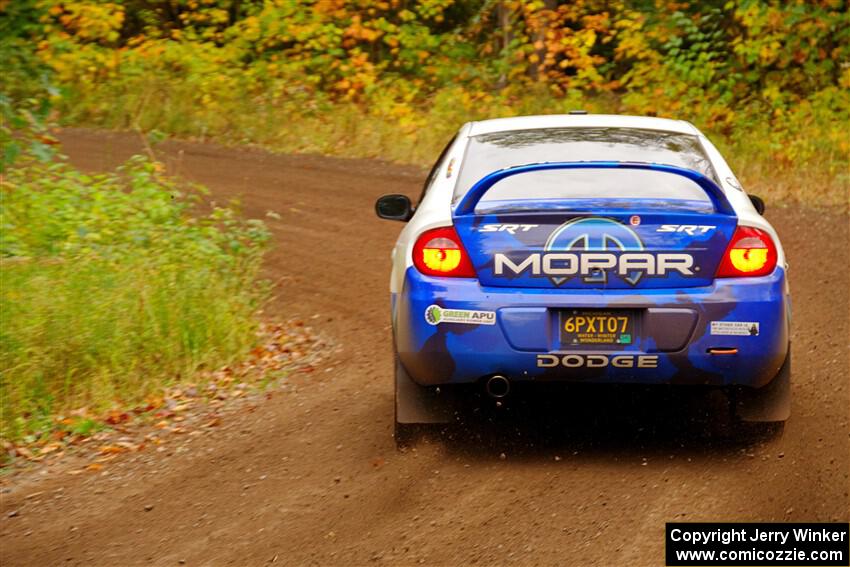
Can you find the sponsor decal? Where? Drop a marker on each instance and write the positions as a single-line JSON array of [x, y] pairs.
[[435, 315], [509, 228], [689, 229], [597, 360], [735, 328], [592, 248]]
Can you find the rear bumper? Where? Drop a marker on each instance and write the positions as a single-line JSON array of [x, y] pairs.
[[671, 342]]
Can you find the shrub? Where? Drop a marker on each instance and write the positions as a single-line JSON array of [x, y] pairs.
[[113, 285]]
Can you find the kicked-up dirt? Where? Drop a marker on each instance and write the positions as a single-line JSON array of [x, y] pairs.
[[312, 476]]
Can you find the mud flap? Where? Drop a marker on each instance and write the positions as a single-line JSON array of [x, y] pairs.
[[415, 404], [772, 403]]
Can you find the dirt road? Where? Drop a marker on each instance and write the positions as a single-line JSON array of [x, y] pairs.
[[312, 477]]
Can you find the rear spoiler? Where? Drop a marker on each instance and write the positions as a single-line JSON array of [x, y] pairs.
[[715, 193]]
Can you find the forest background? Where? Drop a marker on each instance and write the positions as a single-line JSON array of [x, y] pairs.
[[395, 78]]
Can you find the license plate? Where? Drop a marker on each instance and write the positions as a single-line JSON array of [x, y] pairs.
[[596, 327]]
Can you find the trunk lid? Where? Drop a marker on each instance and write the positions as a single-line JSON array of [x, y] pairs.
[[584, 250], [595, 225]]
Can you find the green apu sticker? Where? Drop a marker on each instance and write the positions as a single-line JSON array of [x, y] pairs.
[[435, 315]]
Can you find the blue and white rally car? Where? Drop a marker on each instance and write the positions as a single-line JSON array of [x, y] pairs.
[[586, 248]]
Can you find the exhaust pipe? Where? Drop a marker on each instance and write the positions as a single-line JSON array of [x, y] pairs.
[[497, 386]]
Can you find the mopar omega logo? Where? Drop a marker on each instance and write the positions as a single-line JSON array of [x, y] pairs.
[[592, 248], [596, 235]]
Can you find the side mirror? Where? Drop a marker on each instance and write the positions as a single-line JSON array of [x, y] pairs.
[[394, 207], [758, 203]]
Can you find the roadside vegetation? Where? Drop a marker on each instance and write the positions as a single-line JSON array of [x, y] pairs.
[[394, 79], [113, 285], [115, 288]]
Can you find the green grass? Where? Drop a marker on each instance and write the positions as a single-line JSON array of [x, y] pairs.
[[113, 286]]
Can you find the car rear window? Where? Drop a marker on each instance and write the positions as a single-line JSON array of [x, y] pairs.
[[611, 188], [491, 152]]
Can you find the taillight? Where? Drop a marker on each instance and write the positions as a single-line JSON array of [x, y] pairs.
[[439, 252], [751, 252]]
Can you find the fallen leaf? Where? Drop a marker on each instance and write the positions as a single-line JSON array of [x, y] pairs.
[[59, 434], [115, 417], [24, 452], [49, 448]]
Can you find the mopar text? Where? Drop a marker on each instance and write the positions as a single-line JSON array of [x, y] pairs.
[[560, 264]]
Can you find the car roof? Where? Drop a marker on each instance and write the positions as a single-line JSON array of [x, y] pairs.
[[581, 121]]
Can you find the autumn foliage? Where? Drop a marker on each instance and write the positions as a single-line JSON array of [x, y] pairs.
[[394, 78]]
